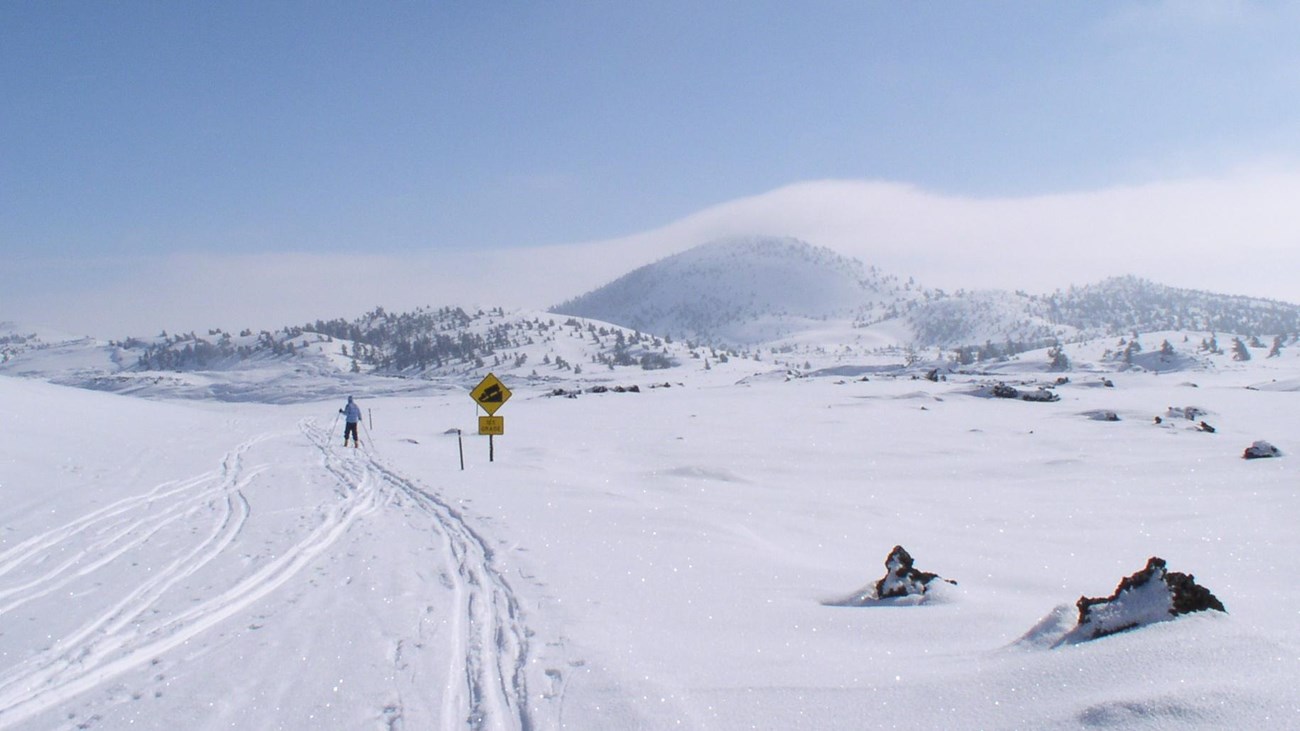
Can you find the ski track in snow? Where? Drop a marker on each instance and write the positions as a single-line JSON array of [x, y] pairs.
[[131, 633], [486, 686]]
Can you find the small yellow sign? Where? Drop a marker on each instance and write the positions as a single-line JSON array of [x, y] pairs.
[[490, 394], [492, 425]]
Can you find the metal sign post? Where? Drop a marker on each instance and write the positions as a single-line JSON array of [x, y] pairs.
[[490, 394]]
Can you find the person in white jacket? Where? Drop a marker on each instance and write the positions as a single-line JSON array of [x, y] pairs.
[[351, 416]]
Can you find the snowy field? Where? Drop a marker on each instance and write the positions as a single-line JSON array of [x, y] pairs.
[[674, 558]]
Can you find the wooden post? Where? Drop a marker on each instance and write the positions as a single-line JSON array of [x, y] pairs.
[[460, 445], [491, 449]]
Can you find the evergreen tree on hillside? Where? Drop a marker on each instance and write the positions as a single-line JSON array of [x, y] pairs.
[[1239, 350], [1057, 358]]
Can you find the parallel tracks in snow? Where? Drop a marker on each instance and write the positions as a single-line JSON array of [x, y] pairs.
[[487, 685], [132, 631]]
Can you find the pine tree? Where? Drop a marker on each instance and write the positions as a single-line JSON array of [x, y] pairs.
[[1059, 360], [1276, 350], [1239, 350]]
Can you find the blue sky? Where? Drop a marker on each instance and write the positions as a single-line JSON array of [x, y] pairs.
[[138, 132]]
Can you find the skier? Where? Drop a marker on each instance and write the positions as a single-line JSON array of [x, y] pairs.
[[352, 415]]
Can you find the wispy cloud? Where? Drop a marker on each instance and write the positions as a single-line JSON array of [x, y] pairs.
[[1236, 234]]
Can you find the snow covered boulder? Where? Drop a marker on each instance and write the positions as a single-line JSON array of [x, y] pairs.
[[1002, 390], [901, 577], [1190, 413], [1041, 394], [902, 583], [1149, 596], [1260, 450]]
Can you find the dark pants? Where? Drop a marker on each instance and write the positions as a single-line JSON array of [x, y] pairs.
[[351, 428]]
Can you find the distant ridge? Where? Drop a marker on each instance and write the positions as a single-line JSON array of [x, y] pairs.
[[1130, 303], [765, 290], [725, 307]]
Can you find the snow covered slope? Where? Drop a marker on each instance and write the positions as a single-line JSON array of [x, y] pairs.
[[1127, 304], [672, 558], [376, 354], [742, 291], [773, 292]]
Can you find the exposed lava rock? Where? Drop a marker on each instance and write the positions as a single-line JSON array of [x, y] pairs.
[[1260, 450], [574, 393], [1151, 595], [1002, 390], [901, 578]]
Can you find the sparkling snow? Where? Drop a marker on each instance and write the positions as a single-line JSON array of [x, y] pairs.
[[665, 559]]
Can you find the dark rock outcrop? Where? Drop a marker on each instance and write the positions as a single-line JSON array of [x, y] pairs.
[[574, 393], [902, 578], [1261, 450], [1148, 596], [1002, 390]]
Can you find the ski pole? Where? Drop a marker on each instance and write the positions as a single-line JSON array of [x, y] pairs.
[[336, 423], [369, 440]]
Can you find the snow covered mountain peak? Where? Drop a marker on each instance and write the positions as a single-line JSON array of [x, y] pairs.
[[739, 290]]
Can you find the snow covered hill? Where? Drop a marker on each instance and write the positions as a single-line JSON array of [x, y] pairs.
[[736, 306], [376, 354], [1130, 304], [745, 291], [763, 292]]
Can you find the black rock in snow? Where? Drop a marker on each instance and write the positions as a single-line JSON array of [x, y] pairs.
[[1260, 450], [901, 578], [1002, 390], [1151, 595]]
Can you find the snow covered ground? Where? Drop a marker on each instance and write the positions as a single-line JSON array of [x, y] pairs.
[[674, 558]]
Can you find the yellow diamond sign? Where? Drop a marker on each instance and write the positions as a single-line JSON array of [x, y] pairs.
[[490, 394]]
